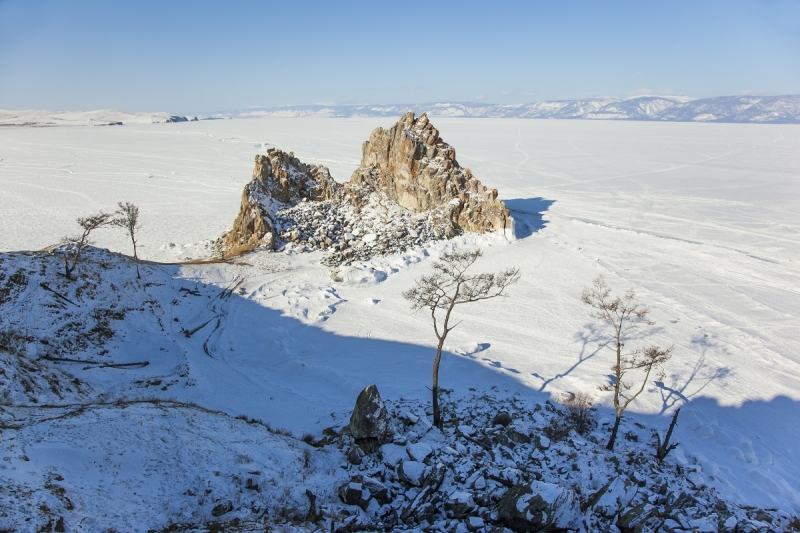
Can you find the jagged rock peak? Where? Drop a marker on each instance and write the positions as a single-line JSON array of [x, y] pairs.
[[413, 166], [280, 180], [287, 180]]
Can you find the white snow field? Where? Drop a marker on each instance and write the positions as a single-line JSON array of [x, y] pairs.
[[701, 220]]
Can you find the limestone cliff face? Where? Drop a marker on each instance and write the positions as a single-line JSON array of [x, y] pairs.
[[279, 180], [412, 165]]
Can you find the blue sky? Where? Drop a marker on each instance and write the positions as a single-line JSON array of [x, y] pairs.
[[200, 56]]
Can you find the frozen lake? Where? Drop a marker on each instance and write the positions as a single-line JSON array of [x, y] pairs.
[[702, 220]]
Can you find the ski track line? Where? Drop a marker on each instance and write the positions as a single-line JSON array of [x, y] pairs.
[[668, 237], [527, 157], [650, 172]]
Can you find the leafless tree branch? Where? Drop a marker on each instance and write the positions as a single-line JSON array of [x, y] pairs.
[[631, 368], [448, 286]]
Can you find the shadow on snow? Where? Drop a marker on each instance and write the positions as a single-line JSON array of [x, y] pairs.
[[527, 213]]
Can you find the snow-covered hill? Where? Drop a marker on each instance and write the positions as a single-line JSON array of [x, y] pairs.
[[749, 109], [105, 117]]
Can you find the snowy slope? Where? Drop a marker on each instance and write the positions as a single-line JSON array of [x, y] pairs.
[[700, 219]]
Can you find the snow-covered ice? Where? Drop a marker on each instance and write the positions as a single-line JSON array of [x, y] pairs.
[[700, 219]]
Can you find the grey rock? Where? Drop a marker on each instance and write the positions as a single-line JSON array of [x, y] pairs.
[[222, 508], [351, 492], [539, 506], [411, 472], [413, 165], [518, 435], [459, 504], [370, 419], [636, 516], [378, 490], [355, 455]]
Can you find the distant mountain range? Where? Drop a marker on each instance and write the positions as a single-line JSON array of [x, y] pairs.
[[746, 109]]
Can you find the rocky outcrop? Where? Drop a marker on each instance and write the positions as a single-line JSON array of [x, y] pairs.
[[280, 181], [413, 166], [473, 478], [408, 190]]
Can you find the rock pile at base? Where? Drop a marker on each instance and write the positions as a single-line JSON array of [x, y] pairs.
[[408, 190], [535, 473]]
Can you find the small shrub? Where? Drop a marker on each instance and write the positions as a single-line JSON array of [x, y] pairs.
[[580, 412], [243, 459], [283, 431], [502, 419]]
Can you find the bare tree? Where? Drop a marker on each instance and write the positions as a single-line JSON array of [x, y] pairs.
[[447, 287], [76, 244], [621, 316], [128, 219], [663, 448]]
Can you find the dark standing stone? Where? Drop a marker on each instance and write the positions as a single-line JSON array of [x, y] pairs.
[[369, 423]]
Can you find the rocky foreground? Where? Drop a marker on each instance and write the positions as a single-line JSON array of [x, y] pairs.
[[504, 464], [408, 190]]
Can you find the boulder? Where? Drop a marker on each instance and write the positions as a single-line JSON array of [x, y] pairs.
[[419, 451], [222, 508], [475, 523], [378, 490], [539, 506], [354, 493], [459, 504], [411, 472], [369, 423], [392, 454], [611, 498]]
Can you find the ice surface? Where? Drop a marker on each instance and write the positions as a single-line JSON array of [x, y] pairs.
[[700, 219]]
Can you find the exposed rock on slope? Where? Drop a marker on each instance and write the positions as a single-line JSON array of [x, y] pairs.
[[408, 190], [280, 180], [413, 166]]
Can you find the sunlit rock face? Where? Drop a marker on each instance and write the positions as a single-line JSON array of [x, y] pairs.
[[414, 167], [408, 179], [280, 180]]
